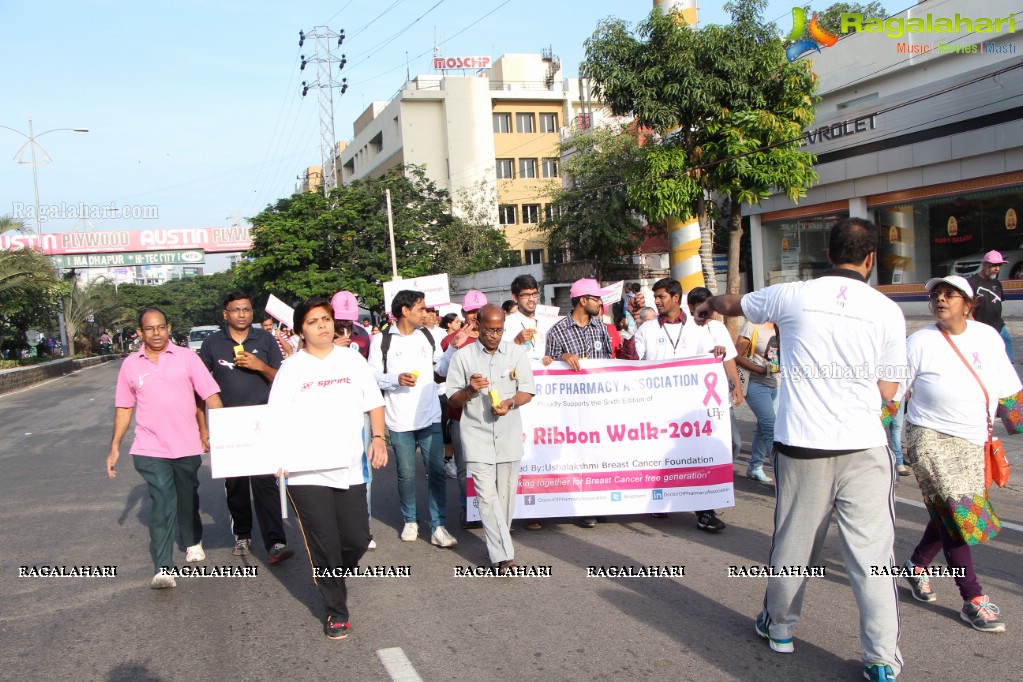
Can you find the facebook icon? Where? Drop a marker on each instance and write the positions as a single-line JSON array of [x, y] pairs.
[[658, 494], [530, 499]]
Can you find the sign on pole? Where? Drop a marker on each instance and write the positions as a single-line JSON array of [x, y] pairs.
[[434, 287]]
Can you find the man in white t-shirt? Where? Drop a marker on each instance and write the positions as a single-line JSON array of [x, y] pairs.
[[523, 327], [839, 335], [404, 370], [674, 335]]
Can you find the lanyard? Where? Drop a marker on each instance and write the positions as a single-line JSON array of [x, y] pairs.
[[674, 344]]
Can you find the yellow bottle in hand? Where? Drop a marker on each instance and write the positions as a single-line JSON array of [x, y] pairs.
[[238, 350], [415, 375], [495, 399]]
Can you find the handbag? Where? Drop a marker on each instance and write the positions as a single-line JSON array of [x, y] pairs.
[[996, 466], [743, 372]]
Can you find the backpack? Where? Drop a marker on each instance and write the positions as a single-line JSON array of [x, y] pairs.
[[385, 343]]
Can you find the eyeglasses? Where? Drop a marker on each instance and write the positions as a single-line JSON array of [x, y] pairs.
[[491, 332], [935, 295], [535, 294], [240, 311], [157, 328]]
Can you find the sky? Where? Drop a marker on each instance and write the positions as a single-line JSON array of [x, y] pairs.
[[194, 108]]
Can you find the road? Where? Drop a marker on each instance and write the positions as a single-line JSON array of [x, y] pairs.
[[58, 508]]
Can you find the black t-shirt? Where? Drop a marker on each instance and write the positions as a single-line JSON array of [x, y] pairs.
[[987, 301], [238, 386]]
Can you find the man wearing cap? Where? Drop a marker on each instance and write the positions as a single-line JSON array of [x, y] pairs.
[[843, 349], [244, 361], [581, 335], [472, 303], [988, 297], [347, 334]]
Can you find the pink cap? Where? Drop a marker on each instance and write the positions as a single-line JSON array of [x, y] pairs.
[[474, 300], [345, 306], [586, 287], [994, 257]]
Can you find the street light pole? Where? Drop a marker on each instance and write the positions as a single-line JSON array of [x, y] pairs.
[[32, 144]]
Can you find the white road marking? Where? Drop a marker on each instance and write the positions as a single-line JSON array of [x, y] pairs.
[[915, 503], [398, 666]]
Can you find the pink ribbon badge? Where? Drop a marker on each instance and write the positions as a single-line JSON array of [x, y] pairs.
[[711, 382], [976, 360], [841, 293]]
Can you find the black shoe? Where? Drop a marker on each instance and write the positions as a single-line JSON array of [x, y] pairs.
[[335, 630], [709, 521], [280, 552], [469, 525], [588, 523]]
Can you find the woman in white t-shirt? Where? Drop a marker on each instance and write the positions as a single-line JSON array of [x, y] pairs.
[[332, 388], [761, 361], [944, 441]]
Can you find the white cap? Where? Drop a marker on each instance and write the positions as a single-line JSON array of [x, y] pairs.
[[955, 281]]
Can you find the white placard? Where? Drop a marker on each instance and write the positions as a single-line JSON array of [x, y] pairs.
[[434, 287], [280, 311], [612, 293], [548, 311], [255, 440]]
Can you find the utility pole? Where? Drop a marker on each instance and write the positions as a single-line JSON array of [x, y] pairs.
[[390, 231], [325, 83]]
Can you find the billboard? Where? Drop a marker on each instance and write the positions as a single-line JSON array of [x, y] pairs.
[[461, 62], [208, 239], [129, 259]]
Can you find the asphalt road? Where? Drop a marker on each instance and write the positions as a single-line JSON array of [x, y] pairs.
[[58, 508]]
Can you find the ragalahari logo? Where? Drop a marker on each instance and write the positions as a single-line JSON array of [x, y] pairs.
[[818, 36]]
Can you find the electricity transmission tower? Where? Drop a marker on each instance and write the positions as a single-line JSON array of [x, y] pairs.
[[325, 83]]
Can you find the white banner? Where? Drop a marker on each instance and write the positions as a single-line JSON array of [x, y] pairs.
[[434, 287], [280, 311], [249, 441], [622, 437], [612, 293]]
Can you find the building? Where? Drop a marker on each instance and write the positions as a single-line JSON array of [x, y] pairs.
[[922, 133], [311, 180], [489, 135]]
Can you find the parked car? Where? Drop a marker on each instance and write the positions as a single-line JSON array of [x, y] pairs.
[[197, 334], [967, 266]]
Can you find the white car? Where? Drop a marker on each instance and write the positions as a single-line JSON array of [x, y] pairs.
[[197, 334], [967, 266]]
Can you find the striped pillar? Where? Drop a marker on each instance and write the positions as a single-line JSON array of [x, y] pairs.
[[684, 237]]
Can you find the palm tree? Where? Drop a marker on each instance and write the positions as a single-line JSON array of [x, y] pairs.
[[21, 269]]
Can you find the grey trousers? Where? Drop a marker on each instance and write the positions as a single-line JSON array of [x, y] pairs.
[[496, 485], [859, 488]]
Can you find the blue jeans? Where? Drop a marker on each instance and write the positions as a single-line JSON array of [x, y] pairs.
[[895, 435], [431, 443], [1008, 343], [763, 400]]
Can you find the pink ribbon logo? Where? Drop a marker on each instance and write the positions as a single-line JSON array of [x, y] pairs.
[[841, 293], [976, 360], [711, 382]]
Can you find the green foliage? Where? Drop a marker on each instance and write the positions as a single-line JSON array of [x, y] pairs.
[[187, 302], [595, 217], [470, 242], [309, 245], [27, 288]]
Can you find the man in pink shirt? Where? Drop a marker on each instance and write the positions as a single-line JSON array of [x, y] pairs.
[[160, 383]]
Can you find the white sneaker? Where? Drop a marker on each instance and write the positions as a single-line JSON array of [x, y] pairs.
[[450, 469], [442, 538], [161, 581], [195, 553], [373, 543], [410, 533]]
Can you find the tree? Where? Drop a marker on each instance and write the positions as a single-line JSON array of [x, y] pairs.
[[27, 288], [470, 242], [595, 216], [96, 299], [310, 245], [716, 99]]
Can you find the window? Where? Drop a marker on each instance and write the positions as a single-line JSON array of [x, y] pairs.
[[550, 168], [527, 168], [534, 256], [550, 212], [530, 214], [524, 123], [548, 123], [505, 169], [502, 123], [506, 215]]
